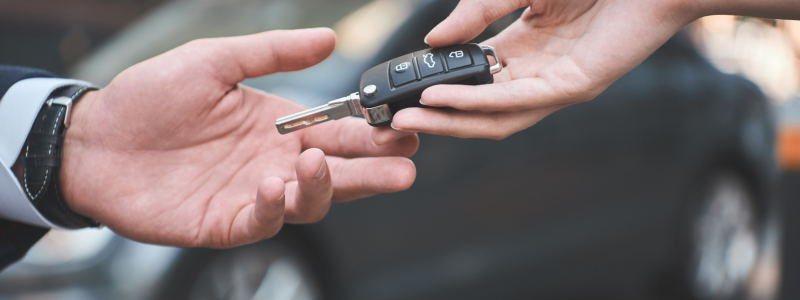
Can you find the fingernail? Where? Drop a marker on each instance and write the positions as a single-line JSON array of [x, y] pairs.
[[282, 198], [403, 129], [322, 170]]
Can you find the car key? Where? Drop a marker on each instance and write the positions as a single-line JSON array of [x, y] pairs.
[[397, 84]]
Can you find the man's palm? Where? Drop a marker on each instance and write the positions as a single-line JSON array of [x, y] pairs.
[[175, 151]]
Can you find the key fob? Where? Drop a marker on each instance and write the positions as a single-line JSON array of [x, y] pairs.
[[397, 84]]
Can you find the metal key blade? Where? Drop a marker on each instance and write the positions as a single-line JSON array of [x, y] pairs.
[[334, 110]]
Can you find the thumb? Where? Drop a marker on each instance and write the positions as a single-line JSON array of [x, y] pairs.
[[255, 55], [262, 219], [469, 19]]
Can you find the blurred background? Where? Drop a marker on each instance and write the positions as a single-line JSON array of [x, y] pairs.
[[678, 182]]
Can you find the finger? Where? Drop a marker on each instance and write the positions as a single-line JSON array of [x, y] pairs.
[[469, 19], [385, 134], [469, 124], [261, 219], [255, 55], [309, 198], [515, 95], [363, 177], [352, 137]]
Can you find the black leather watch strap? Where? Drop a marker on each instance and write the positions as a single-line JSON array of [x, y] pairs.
[[42, 161]]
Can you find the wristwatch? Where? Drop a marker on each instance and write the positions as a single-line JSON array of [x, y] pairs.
[[42, 159]]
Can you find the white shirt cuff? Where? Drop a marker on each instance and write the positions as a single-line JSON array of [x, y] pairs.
[[18, 109]]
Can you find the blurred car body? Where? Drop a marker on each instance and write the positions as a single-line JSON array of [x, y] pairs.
[[618, 198]]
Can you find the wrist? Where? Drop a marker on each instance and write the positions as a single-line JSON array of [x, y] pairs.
[[71, 159]]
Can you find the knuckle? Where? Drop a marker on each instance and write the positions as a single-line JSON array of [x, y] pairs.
[[271, 231], [314, 214], [496, 129], [266, 230], [487, 11], [410, 145], [404, 177], [499, 136], [198, 43], [200, 50], [315, 217], [592, 95]]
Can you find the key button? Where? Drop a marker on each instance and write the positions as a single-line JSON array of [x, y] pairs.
[[429, 63], [402, 67], [402, 70], [457, 57]]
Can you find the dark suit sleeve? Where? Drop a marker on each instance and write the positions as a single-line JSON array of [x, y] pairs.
[[17, 238]]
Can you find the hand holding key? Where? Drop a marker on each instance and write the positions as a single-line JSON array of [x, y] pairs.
[[559, 53], [397, 84], [175, 151]]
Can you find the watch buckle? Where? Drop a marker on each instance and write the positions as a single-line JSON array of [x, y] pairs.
[[65, 101]]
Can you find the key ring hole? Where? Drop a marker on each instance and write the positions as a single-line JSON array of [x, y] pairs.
[[491, 52]]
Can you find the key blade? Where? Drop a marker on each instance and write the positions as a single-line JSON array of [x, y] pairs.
[[301, 121], [334, 110]]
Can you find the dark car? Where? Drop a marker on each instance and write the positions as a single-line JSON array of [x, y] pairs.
[[660, 188]]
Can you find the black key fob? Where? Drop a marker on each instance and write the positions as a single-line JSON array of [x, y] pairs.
[[397, 84]]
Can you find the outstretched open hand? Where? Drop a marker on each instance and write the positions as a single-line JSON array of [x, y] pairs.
[[560, 52], [175, 151]]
